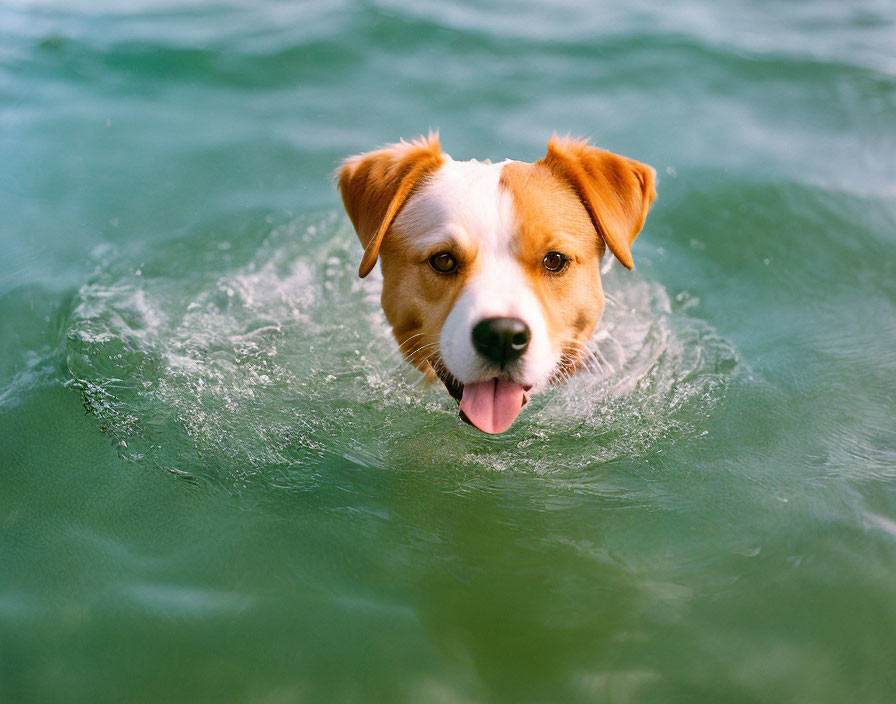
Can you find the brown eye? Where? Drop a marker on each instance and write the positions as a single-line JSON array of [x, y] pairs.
[[443, 262], [555, 262]]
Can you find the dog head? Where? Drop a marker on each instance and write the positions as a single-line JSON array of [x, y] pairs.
[[491, 272]]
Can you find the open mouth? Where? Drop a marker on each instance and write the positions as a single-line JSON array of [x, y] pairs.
[[490, 405]]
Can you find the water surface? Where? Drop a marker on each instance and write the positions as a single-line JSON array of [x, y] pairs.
[[220, 483]]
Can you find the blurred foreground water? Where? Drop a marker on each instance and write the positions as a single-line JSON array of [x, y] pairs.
[[220, 482]]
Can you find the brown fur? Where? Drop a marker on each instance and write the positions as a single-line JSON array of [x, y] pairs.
[[552, 218], [617, 192], [375, 186], [577, 200], [417, 300]]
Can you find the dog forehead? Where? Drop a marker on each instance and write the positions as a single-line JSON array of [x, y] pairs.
[[462, 200]]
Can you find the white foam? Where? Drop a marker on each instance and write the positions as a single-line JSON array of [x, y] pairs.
[[285, 358]]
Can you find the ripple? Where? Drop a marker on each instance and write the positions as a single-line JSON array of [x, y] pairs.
[[186, 601], [262, 363]]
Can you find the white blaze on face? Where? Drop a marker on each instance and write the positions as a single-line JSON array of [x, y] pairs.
[[464, 202]]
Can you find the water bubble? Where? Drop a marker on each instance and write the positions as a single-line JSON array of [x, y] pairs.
[[246, 365]]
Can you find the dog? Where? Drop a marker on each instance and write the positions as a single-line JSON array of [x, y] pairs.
[[491, 271]]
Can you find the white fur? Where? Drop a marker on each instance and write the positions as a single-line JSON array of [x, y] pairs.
[[463, 201]]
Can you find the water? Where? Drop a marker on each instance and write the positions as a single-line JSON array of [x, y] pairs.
[[219, 481]]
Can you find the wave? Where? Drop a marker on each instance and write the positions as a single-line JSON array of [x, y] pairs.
[[266, 360]]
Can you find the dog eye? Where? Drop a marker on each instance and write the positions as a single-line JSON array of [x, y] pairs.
[[555, 262], [443, 262]]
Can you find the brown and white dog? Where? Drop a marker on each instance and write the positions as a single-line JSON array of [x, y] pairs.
[[491, 272]]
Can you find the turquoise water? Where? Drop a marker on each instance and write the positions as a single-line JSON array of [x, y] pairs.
[[219, 483]]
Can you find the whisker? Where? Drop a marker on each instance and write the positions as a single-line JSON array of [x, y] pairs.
[[419, 379], [590, 358], [408, 339], [398, 349], [406, 359]]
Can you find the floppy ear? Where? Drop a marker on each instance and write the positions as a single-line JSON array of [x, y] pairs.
[[375, 186], [616, 191]]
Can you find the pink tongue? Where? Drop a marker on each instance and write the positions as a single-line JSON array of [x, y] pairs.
[[492, 405]]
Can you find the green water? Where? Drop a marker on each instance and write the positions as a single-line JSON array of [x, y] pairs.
[[219, 483]]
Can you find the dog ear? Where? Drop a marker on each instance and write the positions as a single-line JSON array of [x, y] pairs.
[[375, 186], [616, 191]]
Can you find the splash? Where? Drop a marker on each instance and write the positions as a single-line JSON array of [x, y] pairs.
[[264, 359]]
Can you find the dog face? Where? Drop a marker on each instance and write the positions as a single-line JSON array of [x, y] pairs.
[[491, 272]]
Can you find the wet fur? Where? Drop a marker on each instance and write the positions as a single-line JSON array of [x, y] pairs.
[[577, 199]]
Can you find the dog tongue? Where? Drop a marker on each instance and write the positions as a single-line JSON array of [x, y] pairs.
[[492, 405]]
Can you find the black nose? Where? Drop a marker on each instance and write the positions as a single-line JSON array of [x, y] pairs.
[[501, 340]]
